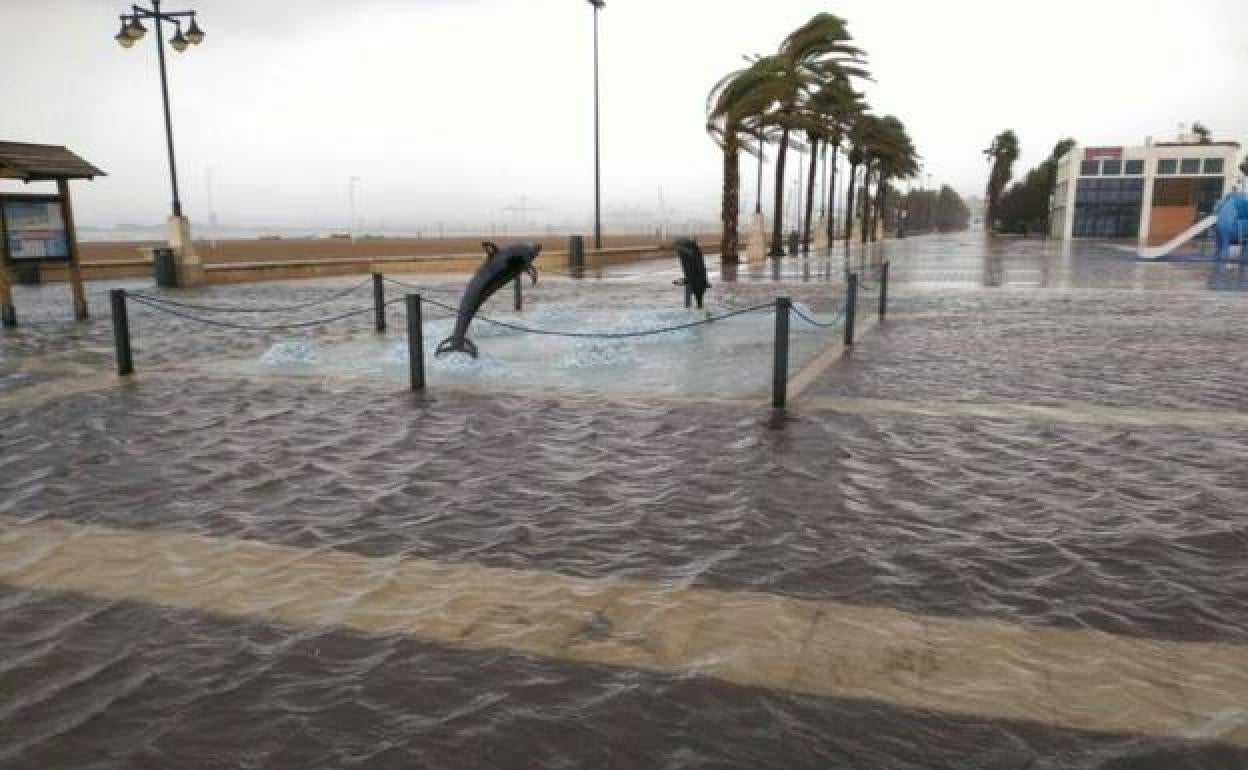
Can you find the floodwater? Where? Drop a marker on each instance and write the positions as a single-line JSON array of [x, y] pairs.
[[264, 552]]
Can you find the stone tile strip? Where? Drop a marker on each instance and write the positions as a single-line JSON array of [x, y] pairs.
[[1076, 679], [1076, 413], [825, 360]]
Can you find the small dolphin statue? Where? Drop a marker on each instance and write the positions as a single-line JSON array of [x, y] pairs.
[[693, 265], [500, 267]]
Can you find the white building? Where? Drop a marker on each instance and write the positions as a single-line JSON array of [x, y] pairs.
[[1151, 193]]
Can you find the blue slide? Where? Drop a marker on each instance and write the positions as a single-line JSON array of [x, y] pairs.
[[1232, 223]]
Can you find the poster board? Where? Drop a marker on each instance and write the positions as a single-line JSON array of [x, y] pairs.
[[33, 229]]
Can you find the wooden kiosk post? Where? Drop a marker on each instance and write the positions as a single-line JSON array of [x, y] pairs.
[[39, 229]]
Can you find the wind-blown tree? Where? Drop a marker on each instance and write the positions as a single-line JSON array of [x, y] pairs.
[[815, 53], [855, 156], [1025, 206], [863, 135], [895, 158], [828, 113], [735, 110], [1002, 152]]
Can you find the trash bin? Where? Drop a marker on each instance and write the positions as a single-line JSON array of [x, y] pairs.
[[27, 274], [576, 252], [165, 268]]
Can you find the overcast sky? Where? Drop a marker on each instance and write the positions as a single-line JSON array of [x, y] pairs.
[[453, 109]]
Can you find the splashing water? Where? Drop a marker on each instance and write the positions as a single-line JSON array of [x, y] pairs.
[[290, 354], [593, 353]]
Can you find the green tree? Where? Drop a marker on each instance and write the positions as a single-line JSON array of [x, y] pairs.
[[1002, 152], [895, 158], [828, 113], [734, 109], [1024, 207], [1202, 132], [815, 53]]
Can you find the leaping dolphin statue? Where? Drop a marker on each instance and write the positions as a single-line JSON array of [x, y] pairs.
[[500, 267]]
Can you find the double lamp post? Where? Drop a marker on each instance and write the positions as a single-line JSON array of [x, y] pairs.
[[132, 31]]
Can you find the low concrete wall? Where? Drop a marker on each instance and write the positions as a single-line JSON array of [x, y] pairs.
[[250, 272]]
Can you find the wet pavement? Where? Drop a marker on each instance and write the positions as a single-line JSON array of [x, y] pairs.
[[1006, 531]]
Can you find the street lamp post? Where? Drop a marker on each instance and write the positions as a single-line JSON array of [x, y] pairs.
[[598, 6], [132, 30]]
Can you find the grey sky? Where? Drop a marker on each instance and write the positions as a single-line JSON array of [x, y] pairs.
[[452, 109]]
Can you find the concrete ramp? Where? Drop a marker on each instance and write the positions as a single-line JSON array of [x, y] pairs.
[[1157, 252]]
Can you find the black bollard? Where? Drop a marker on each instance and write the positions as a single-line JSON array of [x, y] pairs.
[[121, 332], [851, 306], [518, 292], [883, 290], [379, 301], [780, 371], [415, 342], [688, 297]]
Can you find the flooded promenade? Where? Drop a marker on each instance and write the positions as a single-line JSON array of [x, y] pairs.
[[1006, 531]]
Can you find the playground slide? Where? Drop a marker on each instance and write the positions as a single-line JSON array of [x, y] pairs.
[[1156, 252]]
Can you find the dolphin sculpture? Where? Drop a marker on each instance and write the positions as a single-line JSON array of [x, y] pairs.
[[693, 265], [501, 266]]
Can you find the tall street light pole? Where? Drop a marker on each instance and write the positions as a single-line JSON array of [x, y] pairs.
[[598, 6], [132, 30]]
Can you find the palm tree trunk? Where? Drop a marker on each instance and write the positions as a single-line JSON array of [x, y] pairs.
[[849, 202], [810, 194], [832, 196], [866, 200], [777, 225], [881, 190], [730, 207]]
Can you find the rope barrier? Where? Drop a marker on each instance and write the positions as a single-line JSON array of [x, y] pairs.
[[608, 335], [143, 300], [233, 309]]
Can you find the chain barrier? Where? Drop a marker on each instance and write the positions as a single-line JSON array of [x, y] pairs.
[[143, 300], [840, 317], [420, 289], [153, 299], [607, 335]]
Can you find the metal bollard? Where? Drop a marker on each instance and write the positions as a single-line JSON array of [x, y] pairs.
[[518, 292], [415, 342], [851, 306], [780, 368], [121, 332], [379, 301], [883, 290]]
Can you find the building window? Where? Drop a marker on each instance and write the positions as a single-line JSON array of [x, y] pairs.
[[1111, 168], [1089, 168], [1108, 208], [1190, 166], [1167, 166], [1213, 166], [1135, 167], [1174, 192]]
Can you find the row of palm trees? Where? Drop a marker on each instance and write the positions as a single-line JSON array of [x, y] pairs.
[[804, 96]]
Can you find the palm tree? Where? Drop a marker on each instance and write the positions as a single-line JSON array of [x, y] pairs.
[[861, 137], [815, 53], [736, 110], [827, 114], [1003, 152], [895, 158], [1202, 132]]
